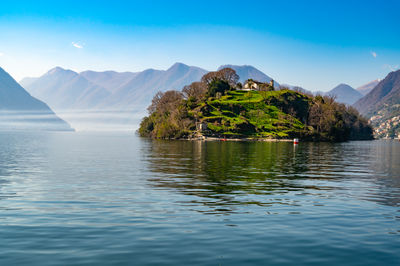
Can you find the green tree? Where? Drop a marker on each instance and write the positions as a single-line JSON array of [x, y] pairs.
[[217, 86]]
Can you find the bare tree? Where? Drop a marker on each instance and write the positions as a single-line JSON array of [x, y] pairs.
[[209, 77], [226, 74], [163, 102], [169, 101], [196, 90], [229, 75], [155, 102]]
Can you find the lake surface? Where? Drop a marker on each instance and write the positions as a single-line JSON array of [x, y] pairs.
[[94, 199]]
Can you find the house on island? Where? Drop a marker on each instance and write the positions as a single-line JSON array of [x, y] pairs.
[[253, 85]]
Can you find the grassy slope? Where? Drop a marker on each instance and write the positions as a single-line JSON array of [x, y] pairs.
[[248, 114]]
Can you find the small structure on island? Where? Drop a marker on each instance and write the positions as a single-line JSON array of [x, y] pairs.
[[201, 126], [250, 85], [253, 85]]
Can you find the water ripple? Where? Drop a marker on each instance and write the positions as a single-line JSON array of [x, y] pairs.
[[76, 198]]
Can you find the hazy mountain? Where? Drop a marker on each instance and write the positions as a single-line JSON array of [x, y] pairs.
[[144, 85], [366, 88], [246, 72], [385, 94], [19, 110], [65, 90], [110, 80], [345, 94]]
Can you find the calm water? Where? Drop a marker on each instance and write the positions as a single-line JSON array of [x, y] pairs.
[[80, 198]]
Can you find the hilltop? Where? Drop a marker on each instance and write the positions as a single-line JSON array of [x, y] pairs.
[[218, 106], [344, 93]]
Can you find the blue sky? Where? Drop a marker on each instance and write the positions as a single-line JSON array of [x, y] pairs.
[[313, 44]]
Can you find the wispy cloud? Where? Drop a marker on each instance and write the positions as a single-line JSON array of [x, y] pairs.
[[374, 54], [77, 45], [1, 54], [391, 68]]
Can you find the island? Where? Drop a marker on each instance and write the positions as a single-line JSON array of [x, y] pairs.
[[220, 107]]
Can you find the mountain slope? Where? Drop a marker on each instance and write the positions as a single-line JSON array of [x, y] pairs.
[[386, 93], [382, 105], [111, 80], [366, 88], [19, 110], [345, 94], [27, 81]]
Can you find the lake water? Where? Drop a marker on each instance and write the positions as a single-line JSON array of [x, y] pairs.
[[80, 198]]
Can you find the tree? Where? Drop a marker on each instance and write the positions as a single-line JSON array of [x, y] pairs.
[[195, 91], [209, 77], [155, 102], [169, 101], [229, 75], [218, 86], [163, 102], [226, 74]]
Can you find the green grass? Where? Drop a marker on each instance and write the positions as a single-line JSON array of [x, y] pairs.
[[248, 114]]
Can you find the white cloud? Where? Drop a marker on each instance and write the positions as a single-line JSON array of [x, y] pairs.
[[1, 54], [77, 45], [374, 54], [392, 68]]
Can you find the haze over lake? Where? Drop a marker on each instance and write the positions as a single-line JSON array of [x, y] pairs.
[[115, 198]]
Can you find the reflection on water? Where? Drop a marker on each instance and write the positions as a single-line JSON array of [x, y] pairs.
[[106, 198], [229, 173]]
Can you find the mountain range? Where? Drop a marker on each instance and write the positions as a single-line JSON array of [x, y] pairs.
[[91, 92], [19, 110], [109, 90], [114, 98]]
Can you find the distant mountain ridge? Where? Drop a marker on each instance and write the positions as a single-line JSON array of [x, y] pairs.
[[386, 93], [19, 110], [366, 88], [345, 94], [66, 90]]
